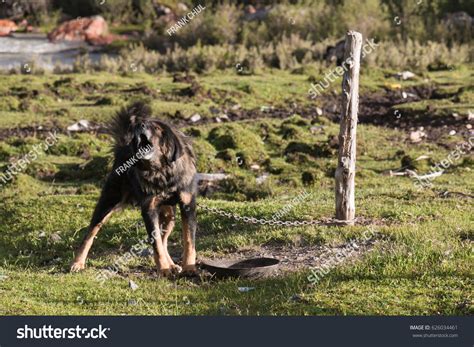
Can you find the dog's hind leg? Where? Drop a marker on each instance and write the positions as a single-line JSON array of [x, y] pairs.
[[109, 202], [167, 221], [189, 222], [150, 214]]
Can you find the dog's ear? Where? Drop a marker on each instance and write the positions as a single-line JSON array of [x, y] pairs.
[[171, 144]]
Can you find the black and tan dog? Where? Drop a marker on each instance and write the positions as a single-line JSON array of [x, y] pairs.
[[154, 168]]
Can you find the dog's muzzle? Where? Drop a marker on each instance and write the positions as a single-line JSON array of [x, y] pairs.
[[143, 146]]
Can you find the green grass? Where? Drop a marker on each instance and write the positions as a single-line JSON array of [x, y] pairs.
[[421, 264]]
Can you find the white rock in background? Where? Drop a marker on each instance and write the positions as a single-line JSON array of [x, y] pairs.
[[182, 7], [223, 117], [452, 132], [319, 111], [262, 178], [55, 237], [81, 125], [417, 136], [404, 75], [316, 129], [255, 167], [133, 286], [195, 117]]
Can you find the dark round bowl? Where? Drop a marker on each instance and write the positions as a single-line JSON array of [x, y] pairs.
[[248, 268]]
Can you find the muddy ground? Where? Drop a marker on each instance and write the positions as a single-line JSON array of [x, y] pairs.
[[377, 108]]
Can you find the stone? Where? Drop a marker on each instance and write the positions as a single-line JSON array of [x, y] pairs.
[[7, 26], [93, 30], [195, 117]]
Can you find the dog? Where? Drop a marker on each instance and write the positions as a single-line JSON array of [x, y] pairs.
[[154, 168]]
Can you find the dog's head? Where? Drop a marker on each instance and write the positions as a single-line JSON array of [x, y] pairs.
[[149, 140], [154, 141]]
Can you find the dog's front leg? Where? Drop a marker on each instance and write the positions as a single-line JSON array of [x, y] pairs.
[[109, 202], [150, 214], [189, 222]]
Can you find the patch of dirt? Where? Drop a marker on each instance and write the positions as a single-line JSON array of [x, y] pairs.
[[183, 78], [380, 109], [375, 108], [304, 257]]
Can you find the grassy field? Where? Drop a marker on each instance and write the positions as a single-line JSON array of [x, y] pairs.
[[419, 263]]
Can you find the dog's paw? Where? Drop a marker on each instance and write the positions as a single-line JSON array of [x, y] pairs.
[[77, 266], [176, 269], [165, 273], [189, 270]]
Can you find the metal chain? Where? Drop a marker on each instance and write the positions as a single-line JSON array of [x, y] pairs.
[[263, 221]]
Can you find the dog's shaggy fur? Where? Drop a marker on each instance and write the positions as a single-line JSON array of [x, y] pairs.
[[154, 168]]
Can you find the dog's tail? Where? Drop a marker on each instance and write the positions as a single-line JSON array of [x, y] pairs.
[[120, 124]]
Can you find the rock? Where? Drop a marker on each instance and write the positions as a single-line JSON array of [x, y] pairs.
[[223, 117], [417, 136], [452, 132], [133, 286], [94, 30], [404, 75], [195, 117], [55, 237], [319, 111], [470, 116], [316, 129], [408, 95], [262, 178], [235, 107], [162, 10], [468, 126], [82, 125], [255, 167], [7, 26], [182, 7]]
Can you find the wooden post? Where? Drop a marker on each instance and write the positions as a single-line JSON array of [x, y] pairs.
[[345, 172]]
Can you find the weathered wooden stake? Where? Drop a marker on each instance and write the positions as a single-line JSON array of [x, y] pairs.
[[345, 172]]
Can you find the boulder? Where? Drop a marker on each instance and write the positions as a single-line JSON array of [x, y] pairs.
[[7, 26], [94, 30]]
